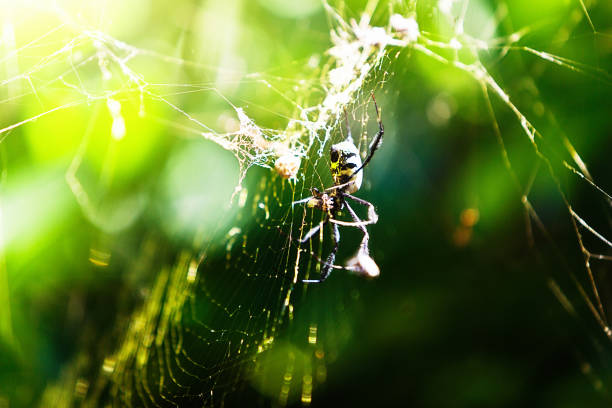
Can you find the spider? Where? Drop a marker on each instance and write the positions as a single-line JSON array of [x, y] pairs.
[[345, 168]]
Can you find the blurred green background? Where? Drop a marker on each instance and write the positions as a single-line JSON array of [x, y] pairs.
[[101, 211]]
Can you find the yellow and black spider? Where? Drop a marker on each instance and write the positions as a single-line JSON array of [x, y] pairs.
[[346, 167]]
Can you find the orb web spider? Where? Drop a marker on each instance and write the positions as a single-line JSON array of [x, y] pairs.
[[345, 167]]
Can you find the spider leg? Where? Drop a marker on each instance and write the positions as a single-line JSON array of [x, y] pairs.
[[328, 265], [372, 216], [339, 186], [376, 142], [313, 231], [302, 201], [366, 236], [315, 194]]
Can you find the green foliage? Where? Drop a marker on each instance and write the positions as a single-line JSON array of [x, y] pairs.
[[149, 249]]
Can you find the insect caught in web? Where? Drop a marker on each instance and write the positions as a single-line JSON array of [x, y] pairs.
[[346, 169]]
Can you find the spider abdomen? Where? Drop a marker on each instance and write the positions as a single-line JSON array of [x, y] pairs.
[[345, 162]]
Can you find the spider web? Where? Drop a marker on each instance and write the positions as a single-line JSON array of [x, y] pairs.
[[211, 296]]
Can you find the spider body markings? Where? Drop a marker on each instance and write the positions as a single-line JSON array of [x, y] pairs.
[[344, 161], [346, 170]]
